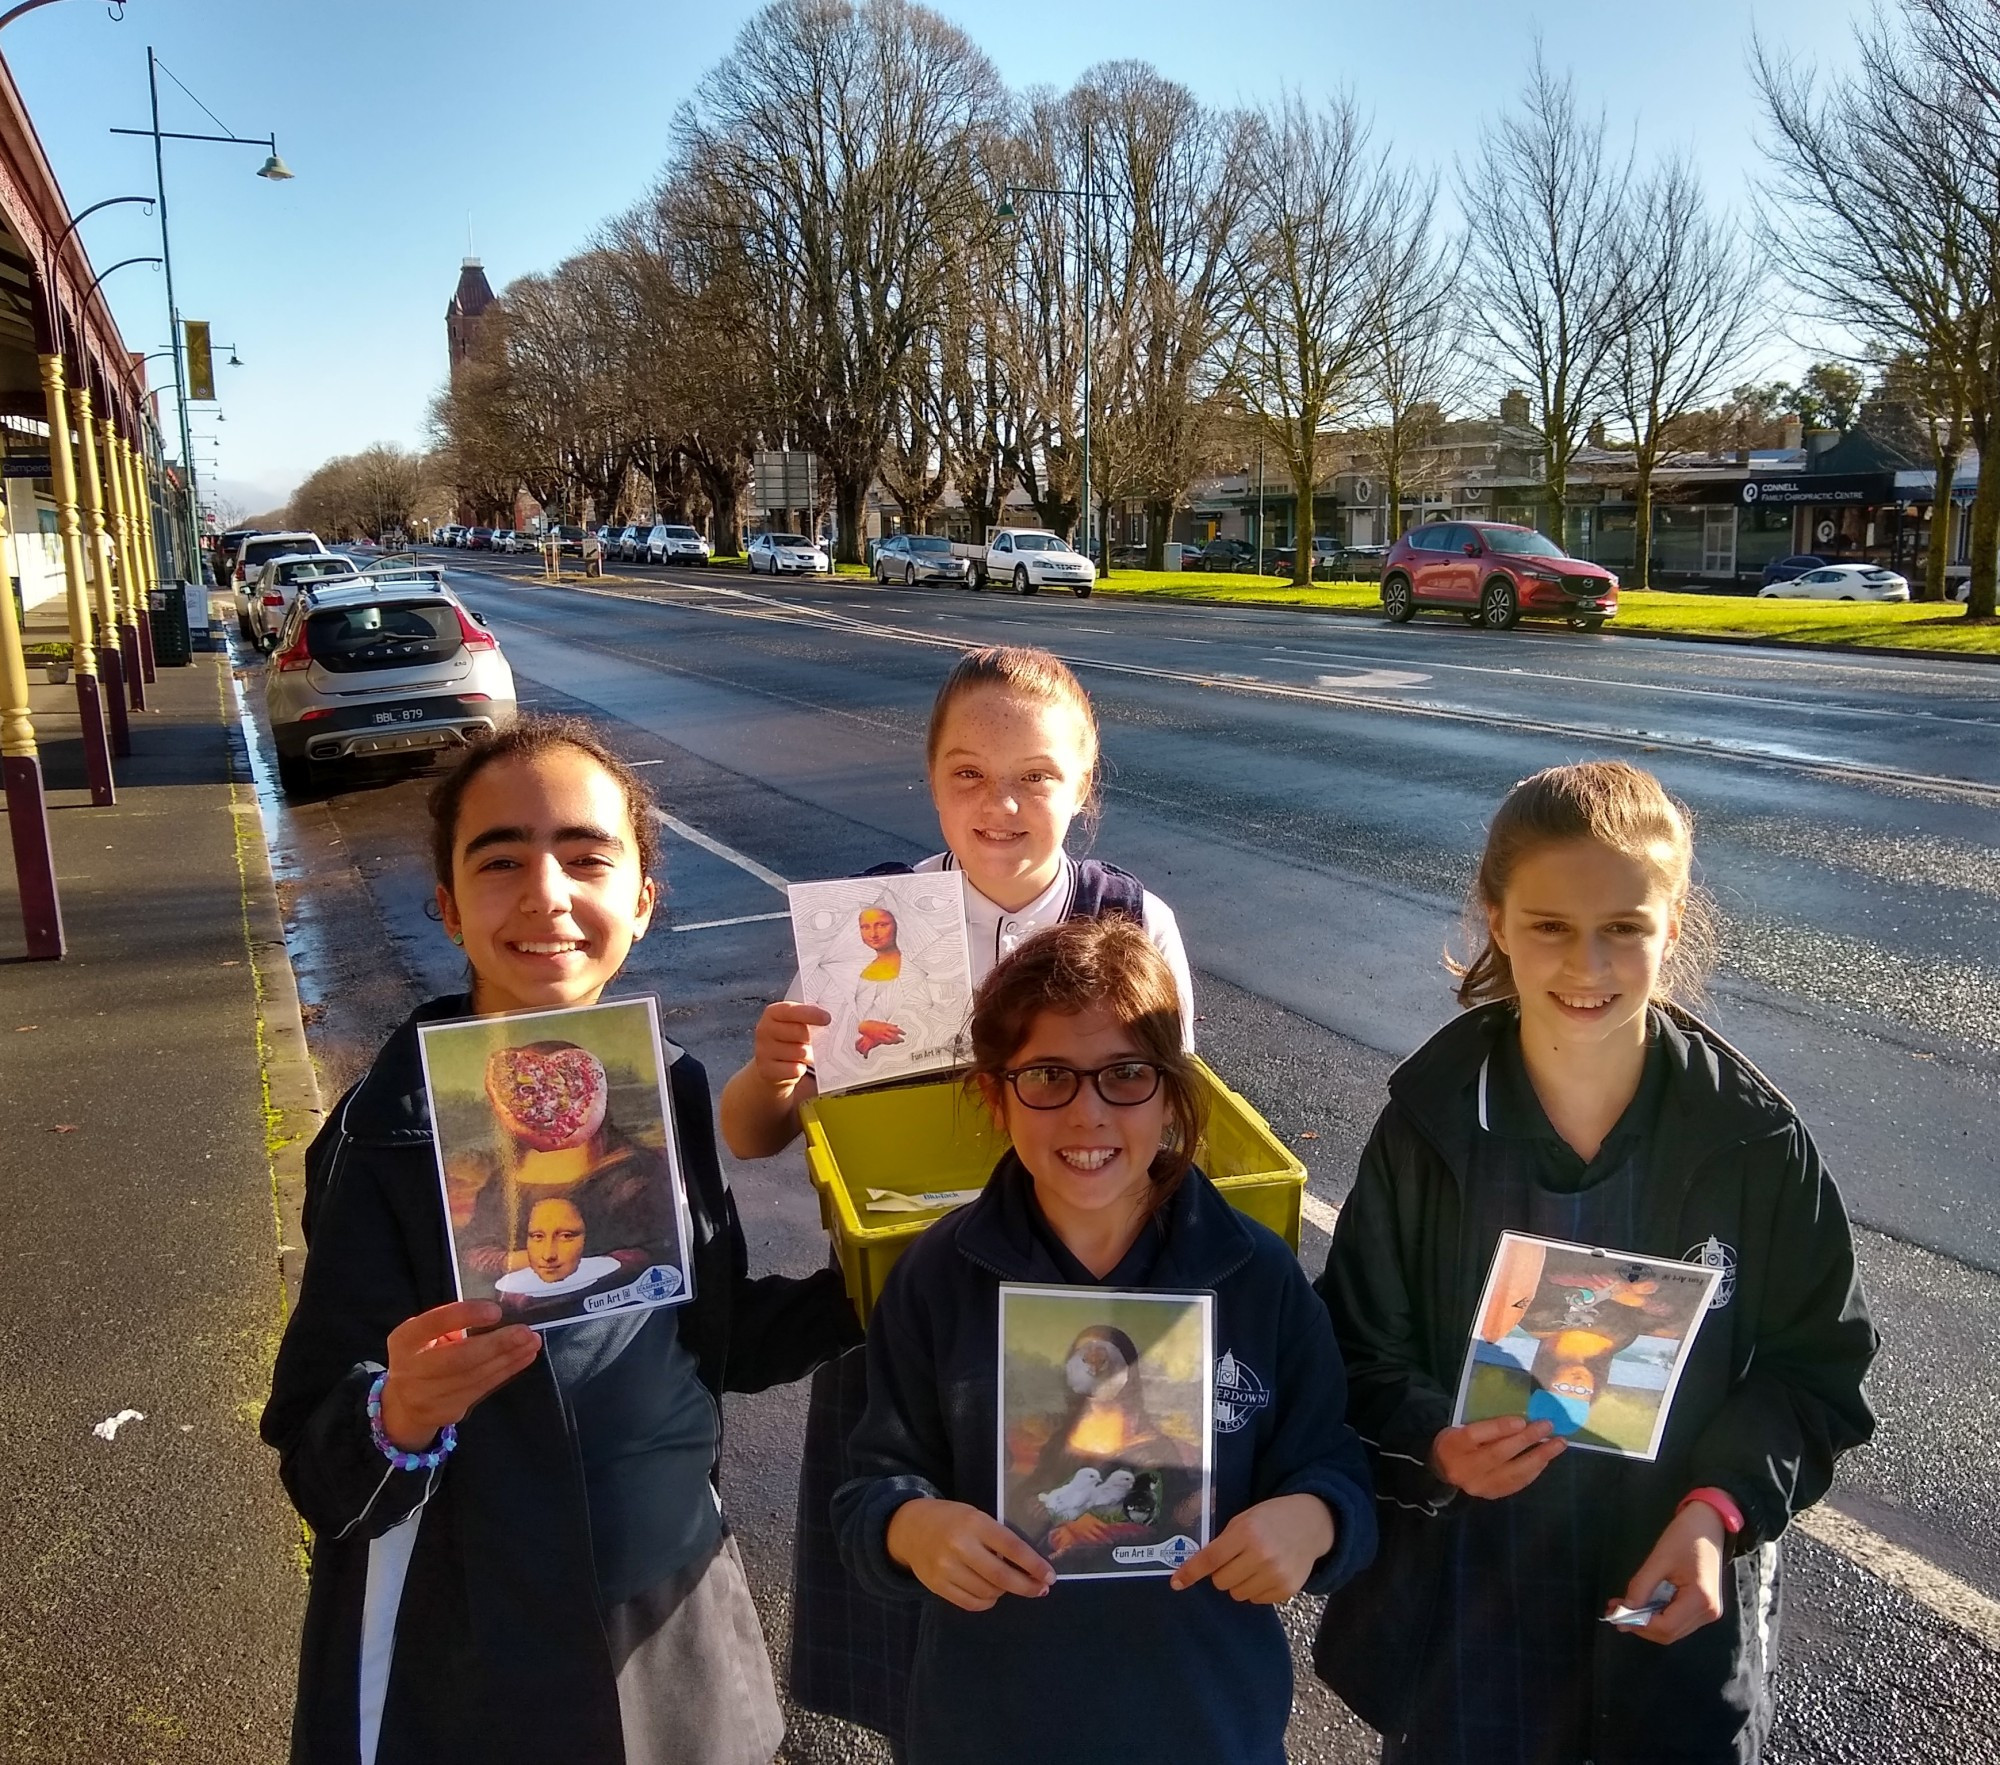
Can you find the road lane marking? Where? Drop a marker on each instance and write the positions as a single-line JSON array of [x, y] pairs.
[[1933, 1588], [710, 925], [1367, 676], [1768, 755], [1322, 1214], [728, 854]]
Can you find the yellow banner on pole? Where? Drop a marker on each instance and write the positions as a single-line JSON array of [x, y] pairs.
[[200, 362]]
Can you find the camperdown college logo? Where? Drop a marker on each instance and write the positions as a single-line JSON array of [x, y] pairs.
[[1239, 1394], [1712, 1253]]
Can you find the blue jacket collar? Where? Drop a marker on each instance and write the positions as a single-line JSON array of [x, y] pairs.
[[1205, 1239]]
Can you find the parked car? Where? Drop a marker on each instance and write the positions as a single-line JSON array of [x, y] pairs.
[[787, 554], [1840, 582], [1494, 574], [1030, 559], [222, 551], [1222, 554], [278, 582], [1328, 555], [630, 545], [1784, 569], [480, 539], [393, 663], [607, 540], [910, 558], [671, 543], [252, 552], [569, 540]]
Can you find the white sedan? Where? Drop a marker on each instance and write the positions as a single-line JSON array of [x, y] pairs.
[[785, 554], [1840, 582]]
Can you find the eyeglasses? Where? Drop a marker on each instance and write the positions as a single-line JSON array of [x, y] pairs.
[[1123, 1084]]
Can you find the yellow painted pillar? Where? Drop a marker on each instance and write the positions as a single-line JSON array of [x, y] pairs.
[[97, 547], [139, 555], [83, 649], [125, 587], [21, 774]]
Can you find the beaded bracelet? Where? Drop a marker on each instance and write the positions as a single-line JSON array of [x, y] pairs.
[[406, 1461]]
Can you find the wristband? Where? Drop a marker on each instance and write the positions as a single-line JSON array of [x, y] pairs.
[[405, 1461], [1718, 1499]]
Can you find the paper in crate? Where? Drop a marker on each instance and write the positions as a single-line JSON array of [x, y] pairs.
[[554, 1136], [887, 957], [935, 1143]]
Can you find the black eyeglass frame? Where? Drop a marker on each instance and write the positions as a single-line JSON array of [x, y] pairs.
[[1012, 1078]]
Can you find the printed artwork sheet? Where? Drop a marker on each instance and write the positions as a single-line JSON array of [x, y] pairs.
[[1105, 1427], [563, 1191], [887, 957], [1592, 1341]]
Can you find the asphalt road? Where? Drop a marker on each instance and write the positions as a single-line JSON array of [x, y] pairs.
[[1309, 792]]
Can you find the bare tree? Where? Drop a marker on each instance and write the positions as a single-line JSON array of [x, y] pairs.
[[1417, 367], [1690, 303], [1318, 205], [1546, 257], [832, 147], [1887, 216]]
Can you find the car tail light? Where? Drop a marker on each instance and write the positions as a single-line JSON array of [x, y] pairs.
[[297, 657], [274, 600], [308, 716], [475, 638]]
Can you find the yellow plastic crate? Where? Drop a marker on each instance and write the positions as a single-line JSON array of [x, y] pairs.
[[935, 1136]]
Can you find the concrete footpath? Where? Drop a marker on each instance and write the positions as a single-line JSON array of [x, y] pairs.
[[154, 1099]]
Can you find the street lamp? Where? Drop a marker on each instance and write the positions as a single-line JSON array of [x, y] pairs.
[[273, 169], [101, 274], [1089, 196]]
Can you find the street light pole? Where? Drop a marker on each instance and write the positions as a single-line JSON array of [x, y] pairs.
[[273, 168]]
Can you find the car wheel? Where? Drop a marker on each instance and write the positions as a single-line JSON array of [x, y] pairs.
[[295, 775], [1586, 622], [1847, 597], [1082, 591], [1499, 606], [1397, 604], [1021, 583]]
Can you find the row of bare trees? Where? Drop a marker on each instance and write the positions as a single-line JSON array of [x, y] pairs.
[[863, 246], [382, 489]]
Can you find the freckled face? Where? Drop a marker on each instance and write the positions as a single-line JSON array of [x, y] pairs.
[[1010, 775]]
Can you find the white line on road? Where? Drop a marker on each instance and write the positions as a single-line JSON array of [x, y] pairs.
[[728, 854], [1319, 1213], [1931, 1587], [710, 925]]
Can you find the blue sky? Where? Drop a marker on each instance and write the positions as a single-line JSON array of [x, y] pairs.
[[401, 117]]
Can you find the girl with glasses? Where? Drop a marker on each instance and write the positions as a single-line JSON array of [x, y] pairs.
[[1012, 760], [1077, 1051]]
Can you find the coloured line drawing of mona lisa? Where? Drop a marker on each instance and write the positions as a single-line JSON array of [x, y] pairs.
[[1104, 1456], [886, 958]]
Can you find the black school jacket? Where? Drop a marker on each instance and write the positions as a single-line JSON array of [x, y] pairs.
[[1771, 1397], [499, 1650], [1098, 1672]]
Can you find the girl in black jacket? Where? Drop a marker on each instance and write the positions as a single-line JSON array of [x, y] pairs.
[[1077, 1050], [1574, 1103], [518, 1550]]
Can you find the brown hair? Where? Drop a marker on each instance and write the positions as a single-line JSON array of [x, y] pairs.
[[1617, 806], [1083, 965], [1029, 673], [527, 739]]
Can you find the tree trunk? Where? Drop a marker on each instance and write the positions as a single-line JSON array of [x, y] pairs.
[[1642, 522], [1159, 525], [725, 497], [1305, 473], [1944, 465], [1985, 531], [850, 498]]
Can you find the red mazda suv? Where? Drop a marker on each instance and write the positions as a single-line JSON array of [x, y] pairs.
[[1494, 575]]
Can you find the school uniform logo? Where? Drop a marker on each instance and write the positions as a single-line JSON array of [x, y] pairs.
[[1712, 1253], [1239, 1394]]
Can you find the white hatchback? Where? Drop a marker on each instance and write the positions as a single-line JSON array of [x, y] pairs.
[[1840, 582]]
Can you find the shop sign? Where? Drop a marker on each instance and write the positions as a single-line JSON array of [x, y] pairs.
[[1830, 490]]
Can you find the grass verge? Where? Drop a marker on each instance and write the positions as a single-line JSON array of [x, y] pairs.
[[1917, 625]]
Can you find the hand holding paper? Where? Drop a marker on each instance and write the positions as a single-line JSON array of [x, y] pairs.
[[1265, 1554], [1494, 1458], [437, 1371], [965, 1556], [1689, 1555]]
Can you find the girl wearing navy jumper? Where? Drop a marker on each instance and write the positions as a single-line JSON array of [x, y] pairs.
[[1012, 757], [519, 1553], [1573, 1101], [1011, 1664]]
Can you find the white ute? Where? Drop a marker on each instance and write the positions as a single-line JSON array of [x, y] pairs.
[[1028, 559]]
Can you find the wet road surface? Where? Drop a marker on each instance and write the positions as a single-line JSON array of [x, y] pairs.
[[1308, 792]]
